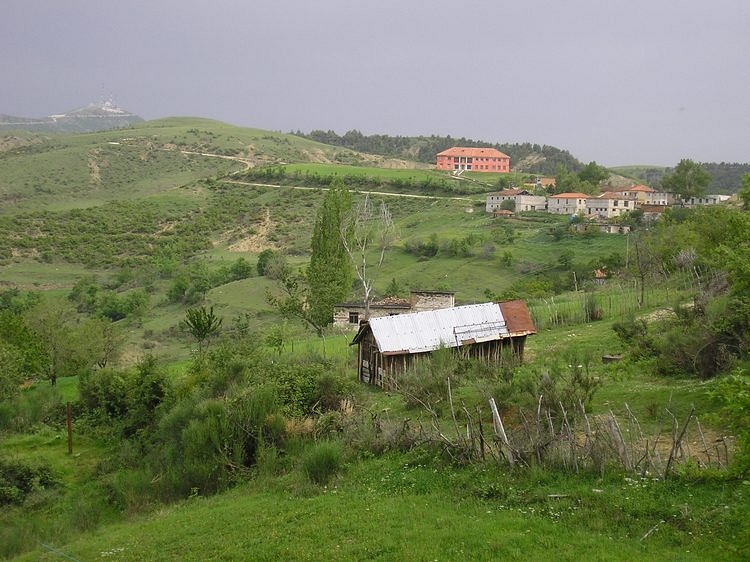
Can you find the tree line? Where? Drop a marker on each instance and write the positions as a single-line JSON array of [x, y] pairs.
[[525, 157]]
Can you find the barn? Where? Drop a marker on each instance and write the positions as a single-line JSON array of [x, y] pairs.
[[388, 345]]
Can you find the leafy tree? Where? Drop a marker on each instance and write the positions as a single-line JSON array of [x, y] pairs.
[[689, 179], [12, 373], [57, 329], [292, 302], [264, 258], [330, 271], [566, 181], [508, 205], [202, 324], [593, 173], [102, 339], [744, 192], [16, 333], [240, 269]]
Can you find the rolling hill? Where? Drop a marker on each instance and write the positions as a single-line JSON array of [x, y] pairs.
[[91, 118]]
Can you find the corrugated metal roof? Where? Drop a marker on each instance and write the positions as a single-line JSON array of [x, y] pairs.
[[517, 318], [448, 327]]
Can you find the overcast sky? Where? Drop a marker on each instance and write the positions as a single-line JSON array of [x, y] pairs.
[[618, 82]]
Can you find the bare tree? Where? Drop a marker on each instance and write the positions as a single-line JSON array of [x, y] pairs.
[[363, 231]]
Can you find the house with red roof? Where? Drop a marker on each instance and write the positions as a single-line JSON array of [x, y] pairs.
[[609, 205], [472, 159], [645, 194], [567, 203]]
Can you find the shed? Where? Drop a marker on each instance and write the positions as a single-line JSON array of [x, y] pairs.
[[391, 344]]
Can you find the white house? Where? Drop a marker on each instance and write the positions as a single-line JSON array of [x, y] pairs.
[[522, 199], [567, 203], [609, 205]]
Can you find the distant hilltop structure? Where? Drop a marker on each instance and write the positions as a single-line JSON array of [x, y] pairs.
[[101, 116], [459, 159]]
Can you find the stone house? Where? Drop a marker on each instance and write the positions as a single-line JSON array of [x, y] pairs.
[[351, 314]]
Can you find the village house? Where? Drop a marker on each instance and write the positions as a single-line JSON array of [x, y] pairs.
[[705, 200], [389, 345], [351, 314], [522, 201], [473, 159], [609, 205], [645, 195], [567, 203], [612, 203]]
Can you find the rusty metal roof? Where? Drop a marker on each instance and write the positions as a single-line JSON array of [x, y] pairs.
[[518, 318], [429, 330]]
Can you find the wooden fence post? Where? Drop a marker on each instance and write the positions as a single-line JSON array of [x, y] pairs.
[[69, 420]]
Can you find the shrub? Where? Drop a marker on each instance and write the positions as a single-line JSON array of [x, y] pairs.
[[105, 390], [734, 394], [19, 477], [322, 462]]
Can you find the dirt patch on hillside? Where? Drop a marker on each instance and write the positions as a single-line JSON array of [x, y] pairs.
[[11, 142], [258, 241]]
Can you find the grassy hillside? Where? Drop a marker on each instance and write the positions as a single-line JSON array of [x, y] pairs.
[[182, 199], [407, 503], [266, 447]]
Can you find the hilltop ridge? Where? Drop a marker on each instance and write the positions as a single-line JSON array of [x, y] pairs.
[[100, 116]]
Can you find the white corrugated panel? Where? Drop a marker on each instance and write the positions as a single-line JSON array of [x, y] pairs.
[[448, 327]]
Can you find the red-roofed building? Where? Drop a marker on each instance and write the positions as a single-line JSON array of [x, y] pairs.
[[567, 203], [473, 159], [609, 205], [644, 194]]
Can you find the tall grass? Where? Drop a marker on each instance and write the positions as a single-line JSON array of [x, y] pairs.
[[616, 301]]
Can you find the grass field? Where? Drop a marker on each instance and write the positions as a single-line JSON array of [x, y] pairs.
[[415, 505]]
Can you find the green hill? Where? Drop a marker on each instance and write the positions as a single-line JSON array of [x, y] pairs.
[[264, 446]]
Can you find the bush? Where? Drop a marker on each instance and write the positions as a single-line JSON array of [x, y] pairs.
[[19, 478], [734, 394], [105, 391], [322, 462]]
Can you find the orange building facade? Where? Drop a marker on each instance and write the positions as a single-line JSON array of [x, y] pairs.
[[473, 159]]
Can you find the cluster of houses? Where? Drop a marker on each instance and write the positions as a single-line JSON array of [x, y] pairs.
[[610, 204]]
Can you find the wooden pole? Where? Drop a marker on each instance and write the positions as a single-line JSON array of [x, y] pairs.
[[69, 416]]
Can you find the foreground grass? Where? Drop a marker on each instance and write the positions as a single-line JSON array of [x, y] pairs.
[[406, 508]]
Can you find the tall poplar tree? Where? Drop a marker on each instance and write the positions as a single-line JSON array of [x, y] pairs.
[[330, 273]]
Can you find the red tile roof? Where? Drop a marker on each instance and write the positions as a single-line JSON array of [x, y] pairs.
[[615, 196], [570, 196], [641, 188], [473, 152]]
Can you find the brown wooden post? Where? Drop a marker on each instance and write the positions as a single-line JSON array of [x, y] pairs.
[[69, 415]]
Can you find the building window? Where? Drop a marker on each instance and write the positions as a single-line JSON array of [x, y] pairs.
[[354, 318]]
